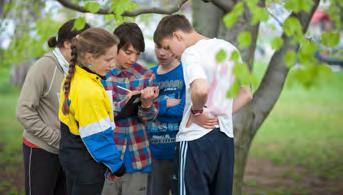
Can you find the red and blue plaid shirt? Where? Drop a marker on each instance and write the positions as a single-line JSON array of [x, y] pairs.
[[131, 131]]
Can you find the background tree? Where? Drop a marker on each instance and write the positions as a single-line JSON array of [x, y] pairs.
[[237, 22]]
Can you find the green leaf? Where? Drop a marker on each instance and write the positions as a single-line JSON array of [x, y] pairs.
[[307, 51], [235, 56], [109, 17], [233, 91], [253, 80], [244, 39], [242, 77], [242, 73], [258, 14], [330, 39], [120, 6], [298, 5], [221, 56], [92, 6], [79, 23], [325, 71], [289, 25], [334, 11], [292, 27], [231, 17], [309, 47], [252, 3], [277, 43], [290, 58]]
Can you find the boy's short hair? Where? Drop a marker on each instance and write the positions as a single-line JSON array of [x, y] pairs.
[[130, 34], [170, 24]]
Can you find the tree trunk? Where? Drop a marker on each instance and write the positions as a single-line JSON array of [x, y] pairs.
[[206, 24]]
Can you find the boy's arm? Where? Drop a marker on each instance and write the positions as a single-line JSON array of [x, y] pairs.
[[244, 96], [149, 113], [199, 93], [173, 111]]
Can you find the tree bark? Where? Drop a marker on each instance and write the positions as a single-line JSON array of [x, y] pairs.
[[242, 24], [206, 24], [264, 100], [148, 10], [273, 81]]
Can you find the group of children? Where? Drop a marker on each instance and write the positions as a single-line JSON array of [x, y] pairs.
[[179, 139]]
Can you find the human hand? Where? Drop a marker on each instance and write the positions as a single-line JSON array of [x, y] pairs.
[[130, 94], [172, 102], [116, 175], [112, 177], [205, 120], [148, 95]]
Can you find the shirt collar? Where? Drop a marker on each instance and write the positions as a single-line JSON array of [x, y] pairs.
[[61, 60], [85, 73]]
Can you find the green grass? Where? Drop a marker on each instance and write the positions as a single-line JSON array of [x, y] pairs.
[[11, 138], [305, 129]]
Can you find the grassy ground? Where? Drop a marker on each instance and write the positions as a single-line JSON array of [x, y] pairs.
[[11, 174], [298, 150], [302, 142]]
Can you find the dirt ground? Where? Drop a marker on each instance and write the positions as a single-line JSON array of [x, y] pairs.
[[262, 177]]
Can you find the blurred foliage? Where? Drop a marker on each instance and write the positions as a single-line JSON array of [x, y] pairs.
[[34, 22], [308, 68]]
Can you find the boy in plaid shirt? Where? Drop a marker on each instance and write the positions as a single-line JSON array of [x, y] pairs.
[[130, 136]]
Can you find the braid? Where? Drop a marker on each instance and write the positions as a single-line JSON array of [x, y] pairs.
[[69, 77]]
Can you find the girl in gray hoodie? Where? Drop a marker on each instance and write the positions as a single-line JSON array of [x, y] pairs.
[[37, 111]]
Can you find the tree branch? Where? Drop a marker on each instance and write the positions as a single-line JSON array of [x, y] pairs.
[[275, 18], [273, 81], [157, 10]]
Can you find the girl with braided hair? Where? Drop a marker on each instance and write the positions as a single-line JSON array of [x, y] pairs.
[[37, 111], [87, 147]]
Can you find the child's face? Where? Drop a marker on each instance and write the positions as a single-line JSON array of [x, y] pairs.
[[104, 63], [164, 57], [127, 57], [174, 44]]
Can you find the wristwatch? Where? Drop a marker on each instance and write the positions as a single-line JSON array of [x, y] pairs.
[[196, 112]]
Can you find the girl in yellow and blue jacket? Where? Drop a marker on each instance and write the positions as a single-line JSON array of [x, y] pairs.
[[87, 147]]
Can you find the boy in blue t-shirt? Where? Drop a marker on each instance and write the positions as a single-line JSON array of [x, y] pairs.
[[162, 132]]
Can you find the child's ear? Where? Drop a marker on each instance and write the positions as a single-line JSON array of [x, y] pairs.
[[67, 44], [178, 35], [88, 58]]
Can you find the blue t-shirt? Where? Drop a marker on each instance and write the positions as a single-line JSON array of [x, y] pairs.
[[163, 130]]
